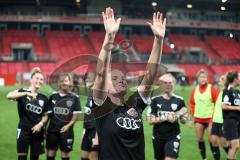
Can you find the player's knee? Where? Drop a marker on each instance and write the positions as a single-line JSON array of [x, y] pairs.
[[51, 153], [235, 145], [65, 154]]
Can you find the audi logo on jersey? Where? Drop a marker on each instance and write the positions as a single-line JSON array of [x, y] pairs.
[[33, 108], [61, 111], [128, 123], [164, 114]]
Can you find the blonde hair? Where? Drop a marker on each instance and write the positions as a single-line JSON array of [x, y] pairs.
[[36, 70], [168, 75], [62, 77], [201, 71]]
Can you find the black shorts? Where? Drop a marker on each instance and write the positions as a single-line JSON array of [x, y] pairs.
[[217, 129], [63, 140], [167, 147], [231, 129], [205, 125], [87, 140], [26, 138]]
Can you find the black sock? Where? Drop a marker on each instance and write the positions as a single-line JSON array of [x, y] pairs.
[[226, 149], [34, 157], [50, 158], [202, 149], [85, 159], [66, 158], [22, 157], [215, 152]]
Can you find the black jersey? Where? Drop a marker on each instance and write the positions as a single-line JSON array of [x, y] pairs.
[[63, 108], [120, 132], [163, 107], [231, 97], [91, 123], [31, 111]]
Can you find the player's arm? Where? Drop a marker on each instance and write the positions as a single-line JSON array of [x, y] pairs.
[[158, 28], [38, 127], [13, 95], [70, 123], [75, 115], [192, 103], [183, 115], [227, 98], [229, 107], [100, 84], [154, 120]]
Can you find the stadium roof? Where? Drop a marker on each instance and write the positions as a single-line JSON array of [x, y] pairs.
[[204, 5]]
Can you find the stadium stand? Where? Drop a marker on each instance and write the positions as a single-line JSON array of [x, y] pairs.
[[227, 48], [143, 44], [67, 44], [182, 41], [22, 36]]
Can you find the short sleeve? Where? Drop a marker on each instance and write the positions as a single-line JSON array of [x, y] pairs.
[[227, 97], [20, 99], [77, 106], [182, 104], [47, 107], [152, 109], [137, 101]]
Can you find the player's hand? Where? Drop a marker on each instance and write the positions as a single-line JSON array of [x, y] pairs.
[[172, 118], [111, 25], [32, 95], [64, 128], [37, 128], [158, 26], [94, 142]]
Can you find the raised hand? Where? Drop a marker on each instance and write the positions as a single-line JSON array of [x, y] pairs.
[[159, 25], [111, 25]]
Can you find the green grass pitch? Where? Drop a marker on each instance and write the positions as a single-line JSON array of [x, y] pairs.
[[9, 120]]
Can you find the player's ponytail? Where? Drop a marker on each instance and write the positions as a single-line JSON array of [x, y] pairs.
[[231, 76]]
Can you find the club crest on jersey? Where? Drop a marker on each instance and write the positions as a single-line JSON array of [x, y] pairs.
[[69, 103], [174, 106], [40, 102], [132, 112]]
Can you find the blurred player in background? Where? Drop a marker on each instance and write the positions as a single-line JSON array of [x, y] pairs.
[[89, 141], [231, 114], [217, 121], [203, 98], [65, 107], [164, 112], [33, 110]]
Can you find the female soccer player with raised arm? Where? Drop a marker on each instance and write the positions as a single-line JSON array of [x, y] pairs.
[[33, 114], [163, 113], [231, 112], [120, 129], [217, 135], [202, 100], [65, 107]]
